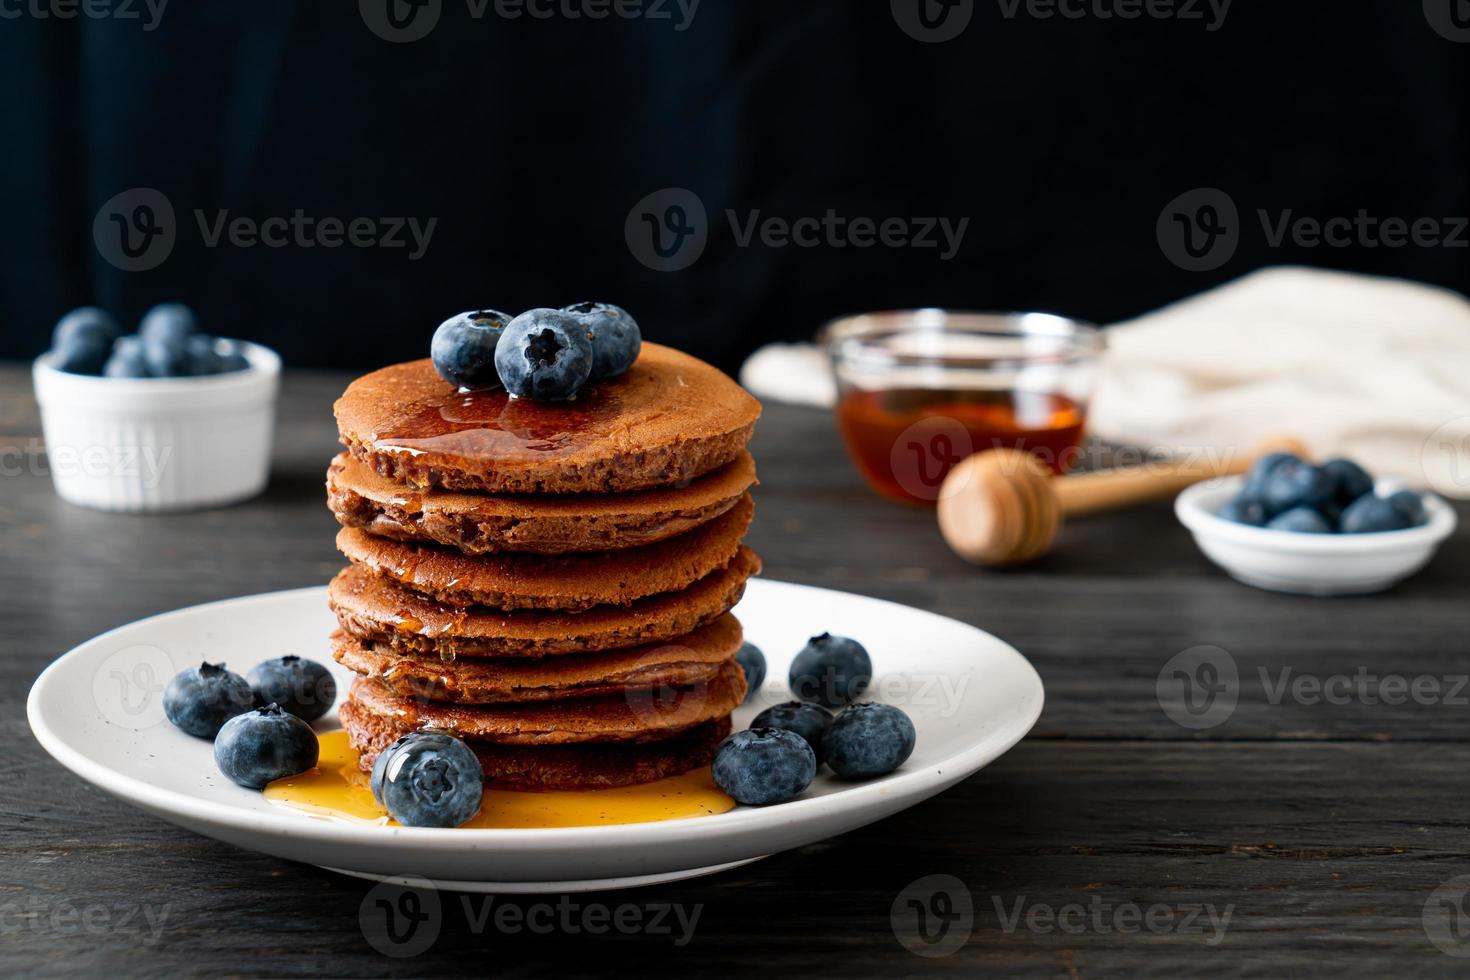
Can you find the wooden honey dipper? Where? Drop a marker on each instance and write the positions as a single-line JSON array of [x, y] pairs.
[[1004, 506]]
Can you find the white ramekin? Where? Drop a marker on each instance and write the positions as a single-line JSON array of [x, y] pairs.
[[154, 444]]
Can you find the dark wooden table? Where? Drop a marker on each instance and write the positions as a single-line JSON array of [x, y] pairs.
[[1098, 847]]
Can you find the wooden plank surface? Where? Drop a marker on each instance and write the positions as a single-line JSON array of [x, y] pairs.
[[1322, 828]]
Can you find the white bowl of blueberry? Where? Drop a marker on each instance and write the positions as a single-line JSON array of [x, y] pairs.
[[1291, 526], [168, 418]]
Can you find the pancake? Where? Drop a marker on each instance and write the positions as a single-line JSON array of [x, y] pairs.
[[667, 420], [635, 716], [593, 765], [565, 582], [479, 523], [371, 607], [691, 659]]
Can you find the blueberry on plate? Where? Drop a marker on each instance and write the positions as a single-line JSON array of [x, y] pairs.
[[1349, 480], [810, 721], [868, 740], [127, 360], [265, 744], [1303, 520], [1255, 479], [1295, 483], [1243, 510], [83, 340], [463, 349], [303, 687], [430, 780], [760, 766], [380, 766], [201, 699], [753, 662], [544, 355], [1370, 514], [170, 322], [616, 339], [1411, 505], [831, 670]]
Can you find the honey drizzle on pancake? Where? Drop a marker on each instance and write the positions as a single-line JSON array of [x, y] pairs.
[[491, 423], [338, 789]]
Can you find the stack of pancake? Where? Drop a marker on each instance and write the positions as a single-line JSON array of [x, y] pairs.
[[549, 582]]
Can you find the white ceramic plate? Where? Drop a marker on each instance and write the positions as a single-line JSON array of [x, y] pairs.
[[98, 710], [1310, 564]]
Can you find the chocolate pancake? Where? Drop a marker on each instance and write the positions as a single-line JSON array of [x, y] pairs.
[[476, 523], [694, 658], [669, 419], [591, 765], [566, 582], [370, 607], [635, 716]]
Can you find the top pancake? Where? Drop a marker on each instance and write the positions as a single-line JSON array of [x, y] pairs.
[[669, 419], [477, 523]]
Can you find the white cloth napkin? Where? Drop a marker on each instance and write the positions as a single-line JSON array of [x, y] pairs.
[[1370, 368]]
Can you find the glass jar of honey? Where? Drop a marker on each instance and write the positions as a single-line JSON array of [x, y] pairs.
[[920, 390]]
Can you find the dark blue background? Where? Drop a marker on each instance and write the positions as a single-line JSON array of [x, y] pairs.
[[1061, 140]]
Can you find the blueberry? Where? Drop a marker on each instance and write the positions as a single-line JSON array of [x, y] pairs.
[[231, 355], [265, 744], [760, 766], [303, 687], [810, 721], [831, 670], [1255, 479], [1243, 510], [127, 359], [1411, 505], [1349, 480], [868, 740], [430, 780], [170, 322], [1294, 483], [544, 355], [202, 356], [463, 349], [201, 699], [380, 766], [1303, 520], [83, 339], [753, 662], [616, 339], [1370, 514], [166, 357]]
